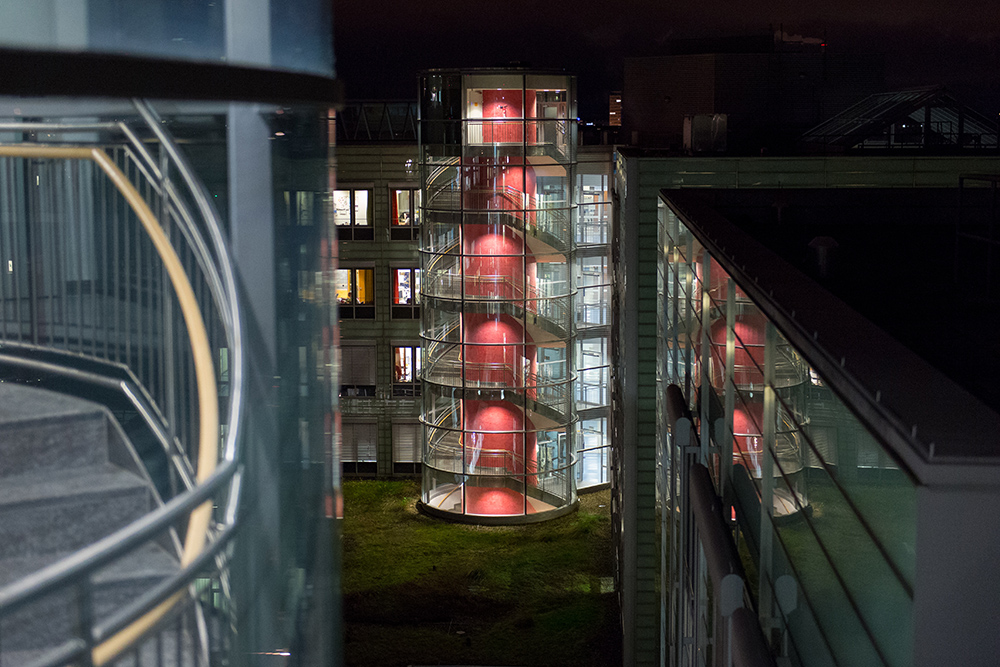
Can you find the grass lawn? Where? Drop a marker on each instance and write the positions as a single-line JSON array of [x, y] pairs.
[[420, 591]]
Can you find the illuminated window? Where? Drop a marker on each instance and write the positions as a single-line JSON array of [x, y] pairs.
[[405, 215], [406, 447], [405, 293], [406, 370], [352, 213], [358, 447], [355, 289], [357, 370]]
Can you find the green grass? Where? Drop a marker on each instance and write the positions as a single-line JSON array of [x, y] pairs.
[[420, 591]]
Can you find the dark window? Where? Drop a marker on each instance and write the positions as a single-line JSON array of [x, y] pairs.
[[406, 448], [357, 370], [357, 447]]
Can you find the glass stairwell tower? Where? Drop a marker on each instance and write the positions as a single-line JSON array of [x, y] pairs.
[[497, 159]]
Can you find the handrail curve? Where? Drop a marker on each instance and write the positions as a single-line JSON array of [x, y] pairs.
[[208, 411], [196, 503]]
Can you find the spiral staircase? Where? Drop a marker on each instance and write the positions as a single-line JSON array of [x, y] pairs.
[[120, 345]]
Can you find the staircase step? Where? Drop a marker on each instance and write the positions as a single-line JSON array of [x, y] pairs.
[[44, 430], [51, 620], [62, 510]]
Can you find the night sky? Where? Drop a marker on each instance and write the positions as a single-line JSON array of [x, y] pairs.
[[381, 44]]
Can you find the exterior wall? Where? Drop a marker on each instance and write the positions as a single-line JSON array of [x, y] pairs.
[[634, 441], [638, 399], [380, 168]]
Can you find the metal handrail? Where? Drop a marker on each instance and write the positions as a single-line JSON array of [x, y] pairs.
[[218, 272]]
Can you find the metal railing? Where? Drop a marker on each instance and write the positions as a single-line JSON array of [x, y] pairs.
[[115, 254], [496, 288]]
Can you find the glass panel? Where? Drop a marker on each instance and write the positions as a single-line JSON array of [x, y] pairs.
[[342, 207], [404, 364], [365, 286], [403, 288], [401, 207], [362, 210], [342, 285]]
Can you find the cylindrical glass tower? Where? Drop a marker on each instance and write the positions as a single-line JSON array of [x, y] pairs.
[[498, 154]]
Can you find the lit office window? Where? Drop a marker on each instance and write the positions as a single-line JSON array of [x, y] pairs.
[[405, 293], [358, 447], [406, 447], [405, 220], [352, 213], [355, 289], [406, 370]]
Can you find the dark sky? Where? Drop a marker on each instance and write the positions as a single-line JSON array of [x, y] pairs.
[[381, 44]]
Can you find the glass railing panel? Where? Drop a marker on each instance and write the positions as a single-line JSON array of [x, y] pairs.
[[441, 232], [438, 325], [798, 552], [505, 154], [866, 477], [442, 406]]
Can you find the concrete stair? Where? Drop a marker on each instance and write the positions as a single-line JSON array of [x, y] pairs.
[[67, 479]]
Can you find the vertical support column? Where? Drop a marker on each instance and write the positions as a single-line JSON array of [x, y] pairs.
[[706, 356], [251, 212], [675, 318], [251, 225], [688, 314], [726, 438], [767, 480]]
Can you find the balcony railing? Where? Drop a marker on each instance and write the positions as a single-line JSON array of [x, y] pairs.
[[115, 259]]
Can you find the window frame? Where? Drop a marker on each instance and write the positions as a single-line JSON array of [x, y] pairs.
[[356, 467], [353, 309], [354, 231], [411, 230], [407, 467], [404, 311], [402, 389], [349, 357]]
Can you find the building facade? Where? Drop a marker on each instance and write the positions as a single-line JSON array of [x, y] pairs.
[[378, 220], [778, 473]]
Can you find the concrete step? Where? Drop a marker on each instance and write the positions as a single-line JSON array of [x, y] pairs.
[[41, 430], [50, 621], [62, 510]]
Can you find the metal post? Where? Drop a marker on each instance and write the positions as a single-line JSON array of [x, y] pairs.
[[725, 440], [706, 356], [767, 480], [688, 298]]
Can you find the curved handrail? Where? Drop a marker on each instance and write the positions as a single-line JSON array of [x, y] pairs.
[[208, 412], [219, 276]]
